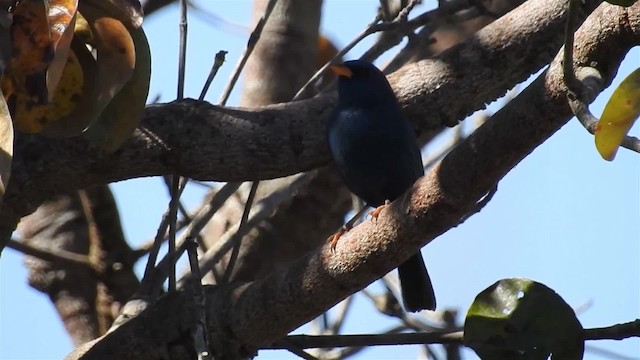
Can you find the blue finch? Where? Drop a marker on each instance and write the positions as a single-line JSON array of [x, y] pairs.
[[378, 157]]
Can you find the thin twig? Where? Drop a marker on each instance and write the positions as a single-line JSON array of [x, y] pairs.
[[431, 20], [452, 350], [217, 63], [152, 284], [54, 256], [154, 277], [347, 352], [216, 20], [175, 178], [293, 348], [147, 245], [203, 184], [200, 336], [567, 65], [614, 332], [345, 306], [251, 44], [590, 123], [157, 242], [444, 9], [182, 57], [243, 221], [372, 28], [329, 341], [608, 354], [173, 218], [387, 304], [168, 181], [95, 242], [214, 201], [366, 32], [264, 209]]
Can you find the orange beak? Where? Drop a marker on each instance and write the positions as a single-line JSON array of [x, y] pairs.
[[341, 70]]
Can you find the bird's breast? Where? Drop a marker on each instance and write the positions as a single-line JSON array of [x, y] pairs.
[[374, 152]]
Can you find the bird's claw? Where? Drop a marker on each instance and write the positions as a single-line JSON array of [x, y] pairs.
[[376, 212], [333, 239]]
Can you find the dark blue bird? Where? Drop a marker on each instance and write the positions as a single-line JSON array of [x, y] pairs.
[[378, 156]]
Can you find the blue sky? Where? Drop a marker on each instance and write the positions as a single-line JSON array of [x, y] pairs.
[[563, 216]]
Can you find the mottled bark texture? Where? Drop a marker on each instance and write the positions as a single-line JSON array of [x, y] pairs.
[[244, 317], [206, 142], [284, 58]]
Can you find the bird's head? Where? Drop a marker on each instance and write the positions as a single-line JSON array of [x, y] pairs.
[[360, 82]]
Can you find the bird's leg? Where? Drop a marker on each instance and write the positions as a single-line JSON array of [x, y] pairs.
[[376, 212], [333, 239]]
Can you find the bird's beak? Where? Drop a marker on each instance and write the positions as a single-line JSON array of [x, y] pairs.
[[341, 70]]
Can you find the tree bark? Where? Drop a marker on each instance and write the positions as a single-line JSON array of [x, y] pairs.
[[89, 296], [243, 317], [284, 58], [225, 144]]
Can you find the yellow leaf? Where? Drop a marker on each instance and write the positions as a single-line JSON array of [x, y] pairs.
[[32, 49], [72, 91], [62, 19], [83, 104], [6, 145], [618, 116], [124, 112]]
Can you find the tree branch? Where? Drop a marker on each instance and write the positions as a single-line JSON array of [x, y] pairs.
[[206, 142], [244, 317], [329, 341], [614, 332], [51, 255]]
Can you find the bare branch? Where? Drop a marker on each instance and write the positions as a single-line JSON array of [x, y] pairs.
[[374, 27], [451, 189], [212, 143], [614, 332], [327, 341], [251, 44], [54, 256]]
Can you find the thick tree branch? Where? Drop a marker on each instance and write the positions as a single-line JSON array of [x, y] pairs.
[[202, 141], [96, 278], [436, 203], [282, 61], [248, 316]]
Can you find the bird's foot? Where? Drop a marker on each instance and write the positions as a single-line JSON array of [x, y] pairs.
[[333, 239], [376, 212]]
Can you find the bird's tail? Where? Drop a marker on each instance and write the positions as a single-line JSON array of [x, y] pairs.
[[417, 291]]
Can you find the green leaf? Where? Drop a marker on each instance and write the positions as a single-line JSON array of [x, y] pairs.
[[522, 319], [124, 112]]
